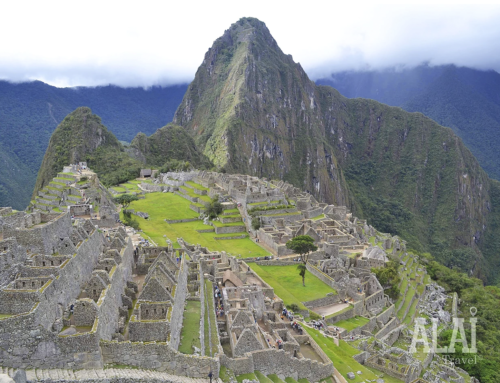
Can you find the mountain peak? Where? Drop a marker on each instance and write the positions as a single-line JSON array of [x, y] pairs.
[[248, 29]]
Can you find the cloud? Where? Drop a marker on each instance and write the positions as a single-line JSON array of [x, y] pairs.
[[160, 43]]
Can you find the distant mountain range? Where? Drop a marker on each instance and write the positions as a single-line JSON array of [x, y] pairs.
[[29, 113], [464, 99]]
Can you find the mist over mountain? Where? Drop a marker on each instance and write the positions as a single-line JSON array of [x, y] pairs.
[[464, 99], [29, 113]]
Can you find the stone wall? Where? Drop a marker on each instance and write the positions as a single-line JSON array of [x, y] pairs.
[[277, 211], [281, 363], [29, 337], [230, 229], [275, 263], [268, 219], [347, 314], [42, 238], [197, 209], [375, 300], [85, 312], [242, 236], [159, 356], [319, 274], [170, 221], [178, 305], [110, 303], [326, 301], [230, 219], [12, 257], [384, 317], [391, 325], [148, 331]]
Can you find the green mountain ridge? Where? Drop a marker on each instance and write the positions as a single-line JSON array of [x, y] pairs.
[[29, 113], [81, 136], [464, 99], [253, 110]]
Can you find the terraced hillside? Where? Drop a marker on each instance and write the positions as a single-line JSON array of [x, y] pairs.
[[176, 215]]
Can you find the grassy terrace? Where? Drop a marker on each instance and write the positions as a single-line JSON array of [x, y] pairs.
[[220, 224], [282, 214], [409, 296], [260, 203], [287, 284], [318, 217], [352, 323], [196, 186], [210, 316], [350, 307], [119, 189], [241, 378], [341, 356], [190, 335], [161, 206], [191, 193]]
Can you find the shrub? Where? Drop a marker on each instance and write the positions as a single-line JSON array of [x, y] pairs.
[[256, 223], [214, 208], [313, 315], [294, 307]]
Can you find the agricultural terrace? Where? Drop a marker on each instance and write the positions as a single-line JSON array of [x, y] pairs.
[[342, 358], [287, 284], [169, 206]]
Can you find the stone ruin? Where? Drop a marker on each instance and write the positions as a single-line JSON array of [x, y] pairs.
[[73, 297]]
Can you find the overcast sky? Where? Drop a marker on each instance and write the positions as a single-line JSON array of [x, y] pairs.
[[144, 43]]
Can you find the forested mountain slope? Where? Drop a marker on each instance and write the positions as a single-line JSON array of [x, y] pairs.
[[81, 136], [464, 99], [29, 113]]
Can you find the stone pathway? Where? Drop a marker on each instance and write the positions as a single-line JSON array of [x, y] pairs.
[[104, 375]]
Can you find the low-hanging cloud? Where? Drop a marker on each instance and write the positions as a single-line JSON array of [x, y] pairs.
[[158, 43]]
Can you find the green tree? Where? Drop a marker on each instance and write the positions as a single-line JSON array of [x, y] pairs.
[[388, 277], [126, 199], [256, 223], [303, 245], [302, 272], [214, 208]]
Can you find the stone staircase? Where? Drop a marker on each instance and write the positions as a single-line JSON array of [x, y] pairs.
[[103, 375]]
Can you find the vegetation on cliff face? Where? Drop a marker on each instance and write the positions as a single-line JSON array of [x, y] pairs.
[[253, 110], [466, 100], [82, 137], [169, 142], [487, 302]]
